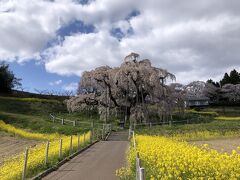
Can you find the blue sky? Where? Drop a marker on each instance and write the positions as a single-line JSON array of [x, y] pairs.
[[35, 77], [33, 73], [50, 43]]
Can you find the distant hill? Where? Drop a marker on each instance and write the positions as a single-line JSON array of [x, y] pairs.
[[31, 105], [23, 94]]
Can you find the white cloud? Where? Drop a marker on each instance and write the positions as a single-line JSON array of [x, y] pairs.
[[70, 87], [83, 52], [192, 39], [54, 83], [27, 27]]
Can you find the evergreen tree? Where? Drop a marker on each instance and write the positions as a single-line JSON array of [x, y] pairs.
[[216, 84], [234, 77], [7, 79], [225, 80]]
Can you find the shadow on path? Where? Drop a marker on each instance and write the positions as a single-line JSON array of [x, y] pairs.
[[118, 136]]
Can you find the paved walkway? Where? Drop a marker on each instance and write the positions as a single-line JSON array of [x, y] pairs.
[[99, 162]]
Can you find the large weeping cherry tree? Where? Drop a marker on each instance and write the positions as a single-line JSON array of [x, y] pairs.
[[126, 91]]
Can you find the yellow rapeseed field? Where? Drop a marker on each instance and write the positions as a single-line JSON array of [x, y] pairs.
[[224, 118], [207, 113], [203, 135], [168, 158], [25, 134], [12, 168]]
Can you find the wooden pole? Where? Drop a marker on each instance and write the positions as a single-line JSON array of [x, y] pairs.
[[74, 123], [92, 133], [129, 133], [25, 165], [104, 131], [134, 141], [60, 150], [102, 134], [78, 141], [46, 157], [62, 121], [70, 148], [96, 135], [84, 139]]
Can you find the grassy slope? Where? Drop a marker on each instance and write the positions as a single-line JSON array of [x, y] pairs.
[[222, 127], [214, 126], [33, 114], [225, 111]]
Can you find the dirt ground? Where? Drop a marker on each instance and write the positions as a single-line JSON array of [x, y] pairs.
[[10, 146], [221, 145]]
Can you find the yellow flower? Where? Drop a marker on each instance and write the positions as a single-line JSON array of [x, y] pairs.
[[172, 158]]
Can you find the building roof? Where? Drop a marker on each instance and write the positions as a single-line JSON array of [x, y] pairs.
[[204, 98]]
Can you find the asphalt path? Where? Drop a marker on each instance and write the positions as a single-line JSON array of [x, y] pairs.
[[99, 162]]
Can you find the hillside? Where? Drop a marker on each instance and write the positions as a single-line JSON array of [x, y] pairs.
[[33, 114]]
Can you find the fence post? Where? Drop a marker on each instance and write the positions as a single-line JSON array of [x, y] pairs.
[[150, 124], [25, 165], [137, 166], [46, 157], [142, 174], [62, 121], [96, 135], [74, 123], [84, 139], [70, 149], [60, 150], [53, 117], [134, 141], [78, 141], [129, 133], [102, 134], [92, 134]]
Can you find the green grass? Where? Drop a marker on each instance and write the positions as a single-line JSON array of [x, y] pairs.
[[29, 99], [222, 128], [41, 124], [204, 112], [33, 114], [225, 110], [30, 106]]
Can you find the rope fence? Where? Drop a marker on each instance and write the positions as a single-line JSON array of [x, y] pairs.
[[140, 172], [56, 150], [150, 124], [63, 121]]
